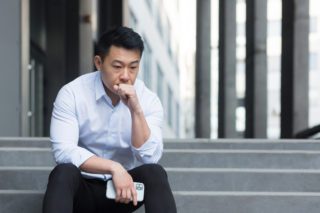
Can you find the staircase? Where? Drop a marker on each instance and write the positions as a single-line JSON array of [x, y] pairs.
[[207, 176]]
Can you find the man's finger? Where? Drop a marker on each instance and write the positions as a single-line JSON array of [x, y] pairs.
[[128, 197], [118, 195], [134, 196]]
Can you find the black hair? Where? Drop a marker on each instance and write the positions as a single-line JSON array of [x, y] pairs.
[[120, 37]]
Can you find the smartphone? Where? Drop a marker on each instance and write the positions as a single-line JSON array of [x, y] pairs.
[[111, 193]]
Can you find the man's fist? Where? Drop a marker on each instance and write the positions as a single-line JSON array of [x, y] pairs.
[[127, 94]]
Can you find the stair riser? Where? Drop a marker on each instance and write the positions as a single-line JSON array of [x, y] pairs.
[[26, 158], [247, 204], [192, 145], [257, 146], [235, 181], [241, 160], [190, 181], [29, 143], [186, 160], [17, 203]]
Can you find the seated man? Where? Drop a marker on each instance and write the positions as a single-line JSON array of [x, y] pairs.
[[108, 124]]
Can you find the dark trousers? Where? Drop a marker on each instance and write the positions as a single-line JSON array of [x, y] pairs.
[[69, 192]]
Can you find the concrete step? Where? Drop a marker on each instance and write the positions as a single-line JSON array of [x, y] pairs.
[[254, 180], [24, 178], [18, 156], [247, 202], [24, 142], [268, 159], [190, 179], [17, 201], [189, 158], [290, 144], [247, 144]]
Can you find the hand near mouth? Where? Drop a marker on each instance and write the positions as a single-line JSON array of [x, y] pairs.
[[127, 94]]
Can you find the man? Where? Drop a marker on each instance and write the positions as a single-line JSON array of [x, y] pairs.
[[105, 125]]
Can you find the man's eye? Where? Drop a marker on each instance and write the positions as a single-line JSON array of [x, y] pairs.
[[133, 68], [117, 67]]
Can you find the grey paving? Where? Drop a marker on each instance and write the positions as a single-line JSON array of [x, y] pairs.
[[35, 178], [229, 176], [279, 159]]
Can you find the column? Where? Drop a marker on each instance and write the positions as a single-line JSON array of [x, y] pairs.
[[256, 69], [294, 67], [203, 69], [14, 60], [227, 99]]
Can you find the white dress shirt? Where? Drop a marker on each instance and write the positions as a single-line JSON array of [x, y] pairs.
[[85, 123]]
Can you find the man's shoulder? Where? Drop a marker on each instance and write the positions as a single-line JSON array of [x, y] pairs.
[[85, 79], [142, 89], [80, 86], [146, 95], [81, 83]]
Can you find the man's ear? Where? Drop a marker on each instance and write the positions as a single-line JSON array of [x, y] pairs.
[[97, 62]]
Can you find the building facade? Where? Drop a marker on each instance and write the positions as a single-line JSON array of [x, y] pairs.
[[49, 43]]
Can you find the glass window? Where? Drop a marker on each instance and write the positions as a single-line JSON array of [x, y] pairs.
[[147, 62], [274, 63], [159, 22], [177, 119], [149, 4], [274, 28], [169, 107], [133, 21], [313, 61], [313, 24], [160, 82], [241, 29]]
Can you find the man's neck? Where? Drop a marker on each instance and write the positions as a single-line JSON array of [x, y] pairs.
[[114, 97]]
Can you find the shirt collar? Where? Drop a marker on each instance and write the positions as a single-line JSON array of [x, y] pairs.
[[99, 89]]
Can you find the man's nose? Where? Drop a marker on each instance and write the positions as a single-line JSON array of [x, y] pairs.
[[125, 75]]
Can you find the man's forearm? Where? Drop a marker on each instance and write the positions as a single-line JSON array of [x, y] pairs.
[[99, 165], [140, 129]]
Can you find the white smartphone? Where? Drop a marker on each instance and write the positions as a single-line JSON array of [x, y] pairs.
[[111, 193]]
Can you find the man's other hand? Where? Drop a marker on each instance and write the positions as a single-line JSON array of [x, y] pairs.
[[123, 183]]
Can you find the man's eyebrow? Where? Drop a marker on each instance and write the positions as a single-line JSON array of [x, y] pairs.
[[117, 61], [134, 62], [121, 62]]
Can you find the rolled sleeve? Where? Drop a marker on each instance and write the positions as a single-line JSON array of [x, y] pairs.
[[64, 131], [151, 150]]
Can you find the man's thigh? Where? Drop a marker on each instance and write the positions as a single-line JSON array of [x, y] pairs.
[[97, 191]]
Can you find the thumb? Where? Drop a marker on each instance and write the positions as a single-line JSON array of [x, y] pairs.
[[116, 87]]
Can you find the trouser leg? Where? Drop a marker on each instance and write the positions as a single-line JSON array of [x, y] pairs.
[[69, 192], [158, 195], [64, 188]]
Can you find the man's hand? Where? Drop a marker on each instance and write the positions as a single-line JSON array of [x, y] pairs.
[[123, 183], [128, 95]]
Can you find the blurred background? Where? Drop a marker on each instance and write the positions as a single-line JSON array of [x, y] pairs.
[[223, 69]]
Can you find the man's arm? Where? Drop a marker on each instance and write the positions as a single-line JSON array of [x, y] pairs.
[[64, 134], [146, 132], [140, 131], [125, 190]]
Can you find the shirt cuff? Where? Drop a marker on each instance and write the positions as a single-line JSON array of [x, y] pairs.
[[74, 155], [150, 151], [80, 156]]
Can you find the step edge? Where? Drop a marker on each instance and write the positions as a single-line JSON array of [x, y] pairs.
[[246, 193]]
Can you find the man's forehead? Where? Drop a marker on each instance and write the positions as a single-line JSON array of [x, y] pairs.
[[120, 54], [122, 50], [127, 61]]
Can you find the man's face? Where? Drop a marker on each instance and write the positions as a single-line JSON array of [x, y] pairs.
[[120, 66]]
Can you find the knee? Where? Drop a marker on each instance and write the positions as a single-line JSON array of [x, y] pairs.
[[155, 173], [64, 173]]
